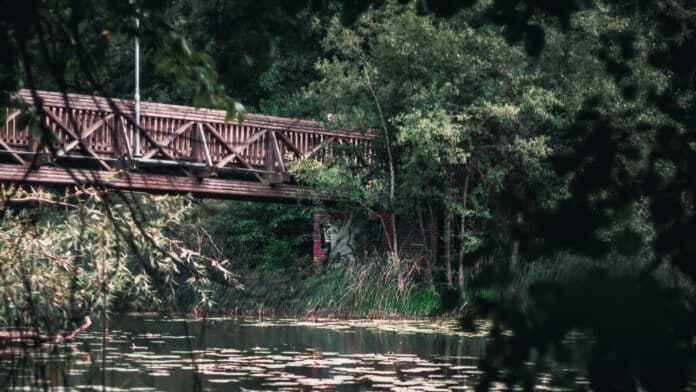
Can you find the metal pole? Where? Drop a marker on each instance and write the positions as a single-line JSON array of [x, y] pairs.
[[137, 88]]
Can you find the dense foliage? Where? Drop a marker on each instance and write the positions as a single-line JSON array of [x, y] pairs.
[[582, 149], [73, 255]]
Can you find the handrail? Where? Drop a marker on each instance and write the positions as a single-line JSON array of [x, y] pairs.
[[155, 109]]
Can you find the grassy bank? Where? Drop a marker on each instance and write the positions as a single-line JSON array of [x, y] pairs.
[[359, 290], [356, 290], [370, 289]]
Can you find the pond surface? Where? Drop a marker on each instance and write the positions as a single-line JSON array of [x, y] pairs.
[[149, 353]]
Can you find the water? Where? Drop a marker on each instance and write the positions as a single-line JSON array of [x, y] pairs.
[[148, 353]]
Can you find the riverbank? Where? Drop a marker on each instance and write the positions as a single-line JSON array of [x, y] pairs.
[[371, 291], [365, 291]]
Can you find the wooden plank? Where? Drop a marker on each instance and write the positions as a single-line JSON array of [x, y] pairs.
[[146, 135], [150, 153], [237, 152], [129, 148], [12, 115], [84, 135], [12, 152], [318, 147], [58, 122], [268, 155], [228, 147], [276, 150], [290, 145], [214, 187], [205, 145], [88, 102]]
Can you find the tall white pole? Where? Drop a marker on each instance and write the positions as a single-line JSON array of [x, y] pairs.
[[137, 87]]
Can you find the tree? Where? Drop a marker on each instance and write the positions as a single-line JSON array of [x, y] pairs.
[[66, 257], [457, 141], [630, 144], [557, 130]]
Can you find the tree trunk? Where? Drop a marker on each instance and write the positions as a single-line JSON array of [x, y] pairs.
[[428, 251], [395, 239], [515, 248], [448, 245], [390, 161], [30, 335], [434, 234], [462, 232]]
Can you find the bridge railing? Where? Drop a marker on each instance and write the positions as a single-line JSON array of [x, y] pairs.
[[103, 131]]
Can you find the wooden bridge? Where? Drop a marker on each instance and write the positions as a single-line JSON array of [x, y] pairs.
[[181, 149]]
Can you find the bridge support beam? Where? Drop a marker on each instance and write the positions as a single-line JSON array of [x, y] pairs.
[[213, 187]]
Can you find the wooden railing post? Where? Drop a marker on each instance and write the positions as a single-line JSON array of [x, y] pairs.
[[268, 156], [121, 146], [119, 140], [43, 156], [200, 152], [267, 152], [273, 161], [196, 146]]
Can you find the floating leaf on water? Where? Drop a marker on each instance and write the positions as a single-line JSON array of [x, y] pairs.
[[260, 360], [319, 382], [281, 357], [259, 375], [380, 372], [213, 373], [235, 374], [428, 388], [420, 370], [160, 374], [274, 366], [253, 369], [222, 380], [102, 388], [463, 367], [281, 384], [177, 337], [122, 369], [353, 369], [379, 378]]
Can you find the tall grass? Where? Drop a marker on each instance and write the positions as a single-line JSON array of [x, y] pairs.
[[366, 290]]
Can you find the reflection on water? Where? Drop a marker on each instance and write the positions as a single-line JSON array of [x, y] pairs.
[[143, 353]]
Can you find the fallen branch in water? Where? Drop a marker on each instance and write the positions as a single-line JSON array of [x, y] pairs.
[[84, 326], [38, 338]]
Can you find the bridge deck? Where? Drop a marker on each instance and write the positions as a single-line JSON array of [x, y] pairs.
[[182, 149]]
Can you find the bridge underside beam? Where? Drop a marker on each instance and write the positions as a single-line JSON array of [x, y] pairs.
[[134, 181]]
